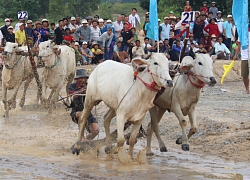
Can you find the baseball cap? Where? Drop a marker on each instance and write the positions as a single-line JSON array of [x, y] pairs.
[[100, 20], [72, 18], [7, 19], [76, 44], [229, 16], [29, 21], [109, 21], [45, 20], [38, 22], [84, 21], [171, 12], [213, 36], [160, 42], [213, 2], [219, 12], [10, 27], [89, 17], [166, 18], [159, 20], [21, 24], [96, 16], [84, 42]]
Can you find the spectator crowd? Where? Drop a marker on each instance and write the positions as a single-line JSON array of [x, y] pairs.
[[96, 40]]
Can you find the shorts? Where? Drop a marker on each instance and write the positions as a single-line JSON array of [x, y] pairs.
[[91, 119], [124, 48], [244, 68]]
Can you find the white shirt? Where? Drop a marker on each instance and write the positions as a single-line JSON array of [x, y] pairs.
[[134, 19], [117, 27], [221, 47], [245, 54], [143, 45], [71, 26], [95, 33]]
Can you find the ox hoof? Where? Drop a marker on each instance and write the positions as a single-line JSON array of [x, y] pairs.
[[163, 149], [75, 151], [185, 147], [108, 149], [150, 154], [21, 104], [179, 141]]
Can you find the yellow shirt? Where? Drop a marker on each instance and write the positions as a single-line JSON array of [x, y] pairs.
[[20, 35], [98, 50]]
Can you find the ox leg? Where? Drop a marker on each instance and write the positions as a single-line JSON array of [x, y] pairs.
[[44, 87], [53, 97], [12, 99], [134, 132], [183, 124], [4, 92], [122, 155], [107, 119], [156, 114], [82, 122], [26, 85]]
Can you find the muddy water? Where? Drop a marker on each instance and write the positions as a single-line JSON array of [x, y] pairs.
[[36, 146]]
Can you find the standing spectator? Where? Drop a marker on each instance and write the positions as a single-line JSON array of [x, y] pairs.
[[221, 50], [137, 50], [20, 35], [233, 39], [134, 18], [219, 17], [97, 53], [204, 7], [212, 28], [67, 37], [10, 36], [29, 32], [165, 29], [187, 8], [146, 21], [78, 21], [206, 42], [45, 29], [209, 16], [118, 26], [245, 57], [52, 30], [86, 54], [166, 48], [159, 29], [21, 21], [96, 17], [101, 24], [122, 18], [213, 9], [227, 31], [198, 30], [126, 20], [117, 51], [59, 32], [4, 29], [148, 31], [111, 47], [36, 31], [65, 23], [127, 37], [106, 39], [95, 31], [89, 19], [73, 27], [84, 33]]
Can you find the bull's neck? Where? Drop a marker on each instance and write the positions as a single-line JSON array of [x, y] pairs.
[[51, 61], [193, 83]]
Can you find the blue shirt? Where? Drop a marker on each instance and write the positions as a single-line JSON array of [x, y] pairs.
[[165, 31], [228, 27], [149, 30]]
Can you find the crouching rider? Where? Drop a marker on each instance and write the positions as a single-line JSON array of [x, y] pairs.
[[77, 105]]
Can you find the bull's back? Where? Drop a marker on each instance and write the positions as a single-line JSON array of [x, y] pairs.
[[110, 81], [67, 58]]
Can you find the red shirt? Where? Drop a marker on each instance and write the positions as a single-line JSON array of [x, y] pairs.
[[207, 43], [204, 9], [68, 38], [212, 29]]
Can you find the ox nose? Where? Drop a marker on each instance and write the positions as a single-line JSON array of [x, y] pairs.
[[213, 80], [169, 83]]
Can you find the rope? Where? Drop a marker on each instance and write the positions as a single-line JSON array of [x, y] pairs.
[[55, 63], [7, 67]]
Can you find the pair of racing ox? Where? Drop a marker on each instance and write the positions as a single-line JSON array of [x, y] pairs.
[[130, 91]]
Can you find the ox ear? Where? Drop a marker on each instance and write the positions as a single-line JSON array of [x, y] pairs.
[[186, 63], [56, 50], [139, 64]]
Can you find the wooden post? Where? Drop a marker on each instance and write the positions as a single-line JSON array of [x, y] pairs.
[[33, 65], [185, 44]]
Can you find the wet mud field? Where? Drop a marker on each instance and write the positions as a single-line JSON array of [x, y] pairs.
[[34, 145]]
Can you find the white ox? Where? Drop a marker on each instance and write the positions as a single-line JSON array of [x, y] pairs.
[[113, 83], [182, 99], [59, 66], [16, 69]]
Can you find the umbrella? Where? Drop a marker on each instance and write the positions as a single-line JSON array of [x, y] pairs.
[[227, 69]]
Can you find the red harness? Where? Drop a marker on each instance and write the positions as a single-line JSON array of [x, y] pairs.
[[153, 86], [200, 84]]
